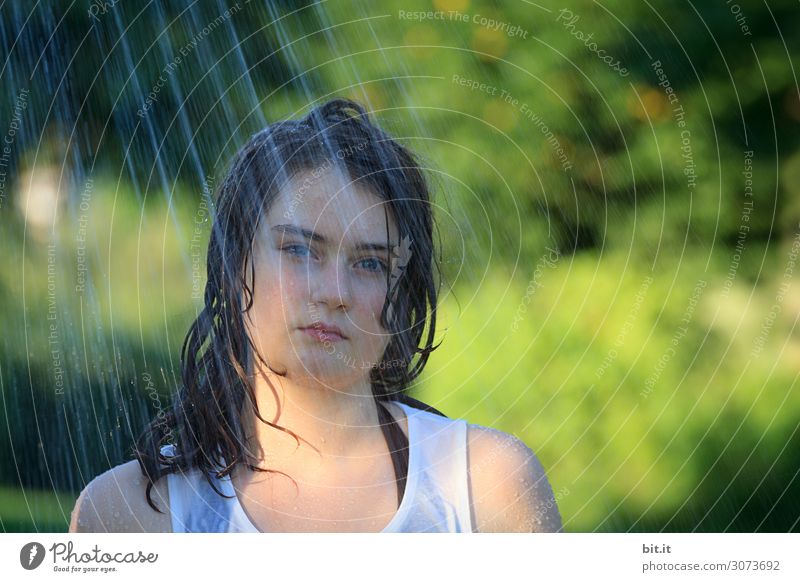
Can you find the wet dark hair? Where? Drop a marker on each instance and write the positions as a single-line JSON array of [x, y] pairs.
[[206, 420]]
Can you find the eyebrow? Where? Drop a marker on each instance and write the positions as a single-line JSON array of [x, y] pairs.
[[318, 237]]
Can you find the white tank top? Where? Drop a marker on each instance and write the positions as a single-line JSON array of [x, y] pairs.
[[436, 497]]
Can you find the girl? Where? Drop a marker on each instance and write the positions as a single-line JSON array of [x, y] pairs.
[[292, 415]]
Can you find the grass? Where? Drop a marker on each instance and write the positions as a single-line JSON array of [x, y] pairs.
[[33, 510]]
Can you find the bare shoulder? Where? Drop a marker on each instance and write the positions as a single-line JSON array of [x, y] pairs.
[[115, 502], [509, 488]]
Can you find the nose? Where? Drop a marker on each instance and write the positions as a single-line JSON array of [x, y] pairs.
[[330, 285]]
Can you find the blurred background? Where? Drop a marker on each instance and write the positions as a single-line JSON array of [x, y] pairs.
[[618, 194]]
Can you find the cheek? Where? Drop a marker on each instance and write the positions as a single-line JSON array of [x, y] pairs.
[[276, 279], [278, 299], [371, 300]]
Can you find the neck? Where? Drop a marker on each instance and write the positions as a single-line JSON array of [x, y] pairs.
[[338, 422]]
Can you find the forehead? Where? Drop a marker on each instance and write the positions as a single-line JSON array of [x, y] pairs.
[[330, 204]]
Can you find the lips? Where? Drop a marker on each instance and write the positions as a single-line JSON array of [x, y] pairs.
[[325, 331]]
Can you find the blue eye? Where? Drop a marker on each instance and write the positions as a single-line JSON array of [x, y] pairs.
[[371, 264], [375, 265], [290, 249]]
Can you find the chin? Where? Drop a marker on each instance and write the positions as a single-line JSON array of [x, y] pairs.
[[328, 369]]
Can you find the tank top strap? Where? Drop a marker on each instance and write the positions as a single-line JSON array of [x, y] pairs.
[[196, 507], [443, 487]]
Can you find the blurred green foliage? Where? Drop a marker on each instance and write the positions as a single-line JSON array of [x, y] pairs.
[[27, 510]]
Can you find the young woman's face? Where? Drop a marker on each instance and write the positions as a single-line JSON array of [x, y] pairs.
[[321, 260]]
